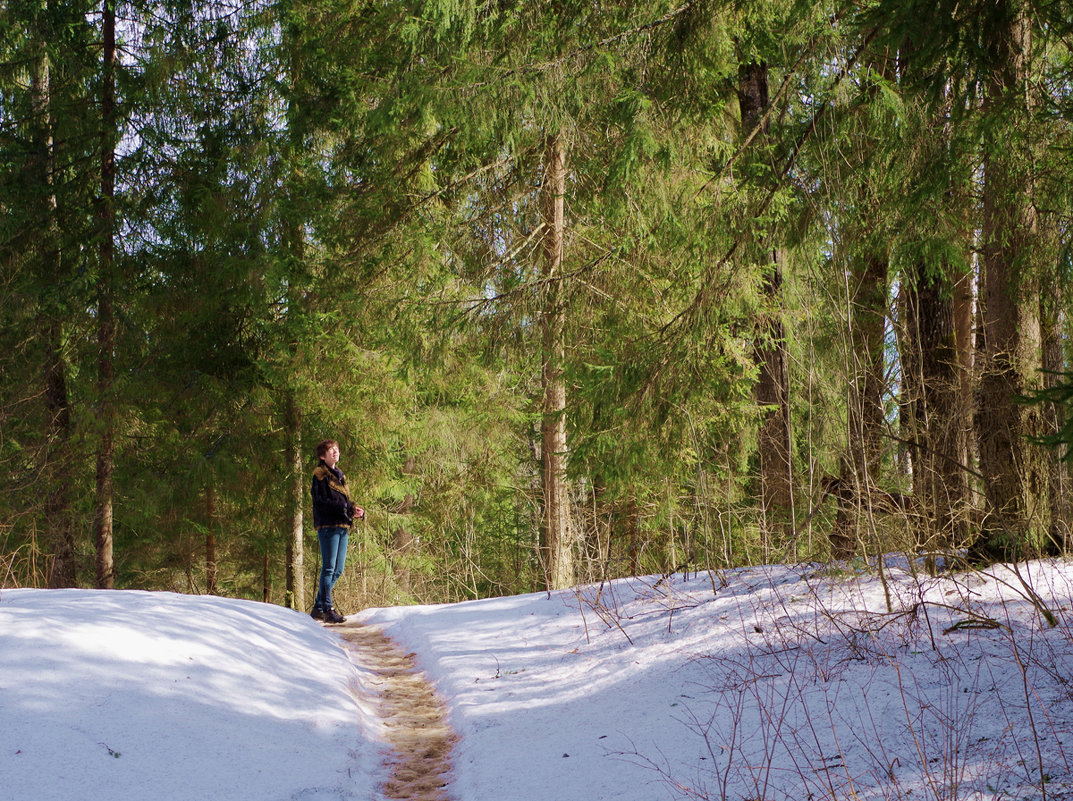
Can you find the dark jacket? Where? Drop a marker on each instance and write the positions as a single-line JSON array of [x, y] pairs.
[[331, 498]]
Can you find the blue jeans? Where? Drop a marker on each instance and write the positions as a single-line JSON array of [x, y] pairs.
[[333, 542]]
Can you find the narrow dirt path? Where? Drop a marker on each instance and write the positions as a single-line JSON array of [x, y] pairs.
[[414, 716]]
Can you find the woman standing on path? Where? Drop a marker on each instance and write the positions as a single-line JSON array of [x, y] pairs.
[[333, 515]]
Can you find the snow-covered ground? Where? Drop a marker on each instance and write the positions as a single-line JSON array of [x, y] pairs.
[[782, 682]]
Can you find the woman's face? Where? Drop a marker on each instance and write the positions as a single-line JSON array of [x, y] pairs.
[[331, 456]]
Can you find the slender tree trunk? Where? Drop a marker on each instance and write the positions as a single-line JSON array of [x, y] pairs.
[[295, 556], [933, 382], [56, 457], [535, 541], [772, 395], [859, 472], [294, 243], [266, 580], [903, 457], [773, 384], [966, 348], [59, 523], [1014, 472], [869, 320], [869, 291], [105, 311], [558, 525]]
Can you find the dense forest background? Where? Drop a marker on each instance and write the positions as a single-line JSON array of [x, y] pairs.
[[583, 289]]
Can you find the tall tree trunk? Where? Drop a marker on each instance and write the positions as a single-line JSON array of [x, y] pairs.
[[295, 556], [58, 515], [294, 244], [56, 457], [869, 321], [933, 383], [869, 291], [1013, 471], [105, 311], [859, 472], [558, 525], [773, 384]]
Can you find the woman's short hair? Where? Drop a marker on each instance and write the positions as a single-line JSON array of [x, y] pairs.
[[322, 447]]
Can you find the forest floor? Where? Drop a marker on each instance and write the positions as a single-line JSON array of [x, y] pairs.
[[778, 682], [420, 740]]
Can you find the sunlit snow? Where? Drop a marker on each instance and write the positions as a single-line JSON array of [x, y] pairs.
[[781, 682]]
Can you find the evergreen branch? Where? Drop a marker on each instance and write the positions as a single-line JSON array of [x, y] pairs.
[[760, 125], [525, 243], [544, 66], [701, 298], [475, 303], [404, 212], [648, 26]]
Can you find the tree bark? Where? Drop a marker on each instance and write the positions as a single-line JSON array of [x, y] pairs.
[[1014, 475], [966, 350], [105, 562], [58, 516], [56, 456], [869, 321], [558, 530], [769, 352], [295, 552], [860, 470], [933, 384], [869, 292], [294, 244]]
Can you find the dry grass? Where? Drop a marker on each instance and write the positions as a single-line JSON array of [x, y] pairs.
[[415, 718]]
